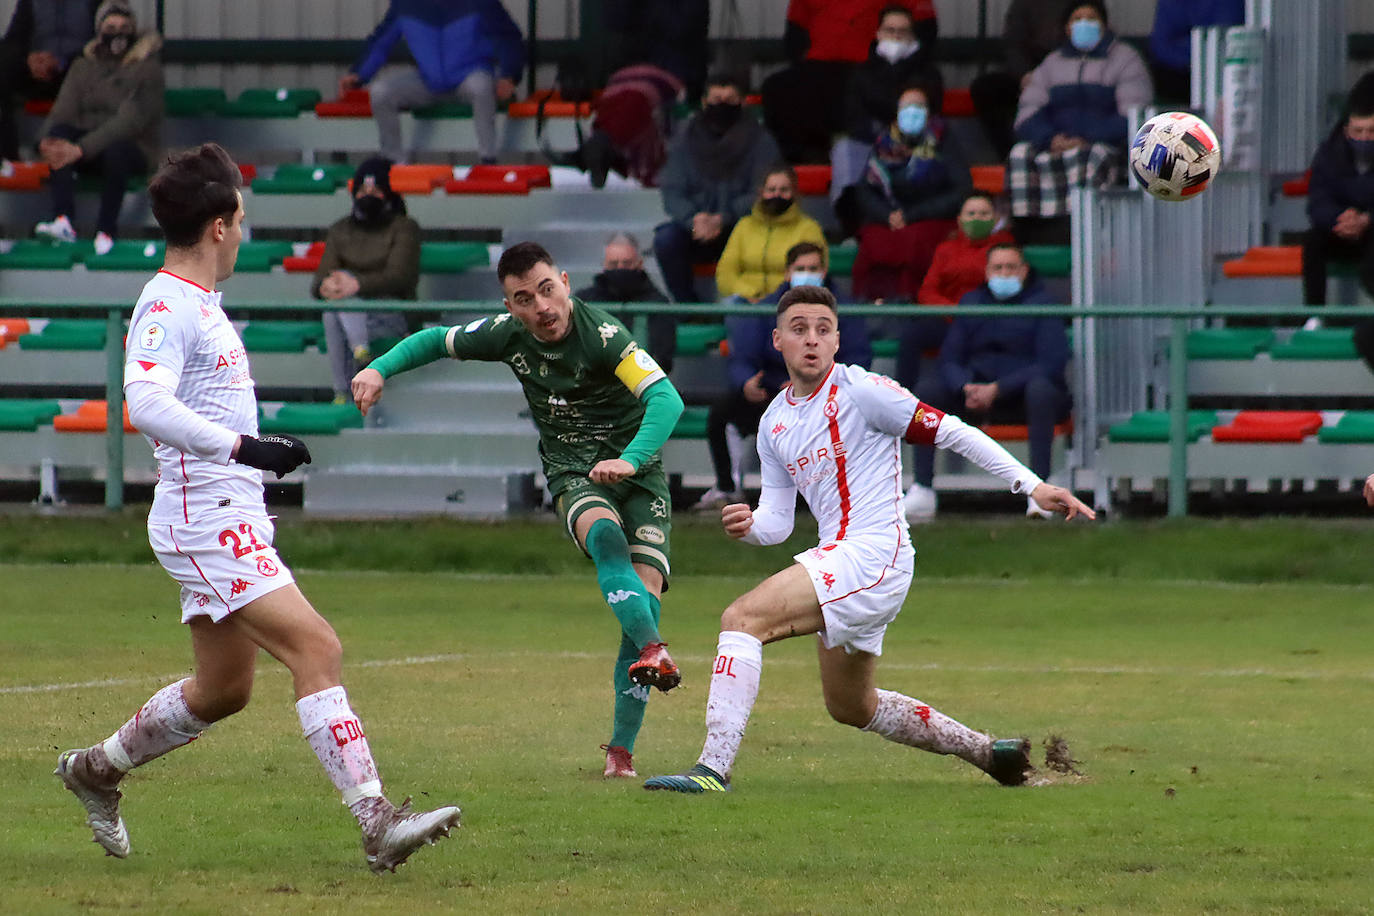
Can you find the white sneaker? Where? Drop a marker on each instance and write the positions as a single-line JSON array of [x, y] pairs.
[[715, 498], [103, 243], [920, 503], [101, 803], [1312, 324], [1033, 510], [400, 833], [59, 230], [6, 168]]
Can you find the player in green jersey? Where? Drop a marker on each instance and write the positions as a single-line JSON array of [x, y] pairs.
[[603, 409]]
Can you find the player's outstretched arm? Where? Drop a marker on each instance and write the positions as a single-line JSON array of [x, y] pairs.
[[1057, 499]]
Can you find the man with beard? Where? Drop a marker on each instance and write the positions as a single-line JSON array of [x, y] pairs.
[[623, 279]]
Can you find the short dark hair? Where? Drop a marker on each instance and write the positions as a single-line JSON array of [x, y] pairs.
[[193, 189], [978, 195], [796, 252], [1072, 7], [781, 167], [896, 9], [728, 78], [520, 258], [1007, 246], [808, 295], [1360, 102]]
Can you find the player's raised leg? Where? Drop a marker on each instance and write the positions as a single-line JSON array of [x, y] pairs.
[[852, 699], [285, 624]]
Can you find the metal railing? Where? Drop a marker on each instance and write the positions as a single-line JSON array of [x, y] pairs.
[[1178, 319]]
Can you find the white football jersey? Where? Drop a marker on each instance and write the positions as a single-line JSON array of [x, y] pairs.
[[181, 339]]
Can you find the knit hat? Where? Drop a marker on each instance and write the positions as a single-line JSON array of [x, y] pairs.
[[1360, 102], [114, 8], [378, 168]]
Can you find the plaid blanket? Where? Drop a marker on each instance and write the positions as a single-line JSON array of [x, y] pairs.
[[1040, 181]]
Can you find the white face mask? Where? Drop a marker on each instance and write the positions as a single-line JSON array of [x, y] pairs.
[[891, 50]]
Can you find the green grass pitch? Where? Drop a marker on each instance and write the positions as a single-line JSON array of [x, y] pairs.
[[1222, 729]]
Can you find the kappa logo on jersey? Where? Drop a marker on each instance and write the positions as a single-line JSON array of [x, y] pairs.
[[266, 567], [607, 332], [619, 595], [831, 409], [153, 336], [777, 430], [239, 586], [638, 692], [829, 581], [158, 306]]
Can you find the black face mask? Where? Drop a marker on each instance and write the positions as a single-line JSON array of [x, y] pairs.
[[369, 210], [774, 206], [115, 44], [623, 282], [720, 116]]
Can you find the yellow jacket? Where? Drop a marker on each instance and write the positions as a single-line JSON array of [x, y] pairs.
[[755, 257]]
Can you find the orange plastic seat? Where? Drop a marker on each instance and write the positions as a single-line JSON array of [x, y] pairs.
[[27, 176], [1266, 261], [990, 179], [536, 176], [307, 263], [958, 104], [355, 103], [89, 418], [1015, 432], [1269, 426], [554, 106]]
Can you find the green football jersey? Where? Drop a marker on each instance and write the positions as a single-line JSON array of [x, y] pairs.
[[583, 391]]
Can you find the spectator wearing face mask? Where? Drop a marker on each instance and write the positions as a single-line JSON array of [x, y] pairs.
[[1071, 121], [896, 59], [757, 372], [913, 185], [373, 253], [624, 279], [998, 370], [43, 38], [1031, 29], [715, 165], [106, 121], [754, 261]]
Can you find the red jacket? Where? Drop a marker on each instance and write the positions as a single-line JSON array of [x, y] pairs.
[[960, 266], [844, 29]]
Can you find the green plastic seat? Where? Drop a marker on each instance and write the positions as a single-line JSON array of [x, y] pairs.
[[1050, 260], [452, 257], [1153, 426], [692, 424], [339, 172], [258, 257], [132, 254], [444, 110], [39, 254], [271, 103], [1228, 343], [192, 101], [27, 414], [312, 419], [699, 339], [1353, 426], [1321, 343], [842, 259], [885, 348], [67, 334], [282, 336]]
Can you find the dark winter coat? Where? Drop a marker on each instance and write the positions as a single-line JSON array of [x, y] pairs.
[[385, 259], [112, 99], [1009, 351], [1336, 185], [871, 103], [688, 190]]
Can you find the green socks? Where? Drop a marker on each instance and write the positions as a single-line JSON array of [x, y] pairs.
[[620, 584], [630, 699]]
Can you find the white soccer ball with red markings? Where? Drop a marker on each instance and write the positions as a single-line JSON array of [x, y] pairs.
[[1175, 155]]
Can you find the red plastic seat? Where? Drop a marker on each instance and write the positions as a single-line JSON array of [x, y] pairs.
[[27, 176], [1269, 426], [536, 176], [355, 103], [89, 418], [482, 185], [813, 180], [990, 179], [958, 104], [1015, 432], [1266, 261], [249, 172], [307, 263], [38, 106], [1297, 187]]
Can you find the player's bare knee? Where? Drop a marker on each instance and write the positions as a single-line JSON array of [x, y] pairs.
[[212, 702], [847, 712], [740, 617]]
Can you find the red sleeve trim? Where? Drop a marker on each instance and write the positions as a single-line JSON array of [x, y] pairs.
[[925, 423]]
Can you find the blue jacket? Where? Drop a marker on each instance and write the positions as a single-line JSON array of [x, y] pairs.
[[1171, 39], [448, 39], [1335, 183], [1083, 94], [751, 345], [1008, 351]]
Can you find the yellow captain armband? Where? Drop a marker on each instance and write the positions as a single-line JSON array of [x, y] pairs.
[[638, 370]]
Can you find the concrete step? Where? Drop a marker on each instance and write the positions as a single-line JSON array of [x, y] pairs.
[[453, 404], [392, 490], [512, 445]]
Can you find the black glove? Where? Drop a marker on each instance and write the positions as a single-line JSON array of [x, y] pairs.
[[281, 453]]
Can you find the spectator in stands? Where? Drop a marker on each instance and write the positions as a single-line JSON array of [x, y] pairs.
[[958, 267], [463, 49], [1171, 42], [1071, 122], [373, 253], [712, 175], [1008, 370], [1031, 29], [754, 261], [896, 60], [630, 128], [913, 185], [106, 121], [804, 104], [43, 39], [757, 372], [672, 35], [624, 279]]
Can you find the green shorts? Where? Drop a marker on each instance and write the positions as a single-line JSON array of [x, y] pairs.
[[640, 503]]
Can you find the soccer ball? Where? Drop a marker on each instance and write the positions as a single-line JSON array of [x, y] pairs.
[[1175, 155]]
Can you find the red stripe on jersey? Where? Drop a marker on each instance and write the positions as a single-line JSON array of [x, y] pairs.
[[185, 511], [171, 533], [163, 270], [832, 412], [925, 423]]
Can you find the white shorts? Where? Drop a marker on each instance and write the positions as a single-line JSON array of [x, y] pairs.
[[861, 586], [223, 559]]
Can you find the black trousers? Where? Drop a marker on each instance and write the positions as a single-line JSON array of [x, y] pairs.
[[116, 163], [803, 106], [16, 86], [734, 408], [1320, 248]]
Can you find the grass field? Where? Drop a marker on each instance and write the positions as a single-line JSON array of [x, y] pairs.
[[1221, 722]]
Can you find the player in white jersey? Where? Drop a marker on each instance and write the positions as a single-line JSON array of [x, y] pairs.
[[834, 435], [189, 390]]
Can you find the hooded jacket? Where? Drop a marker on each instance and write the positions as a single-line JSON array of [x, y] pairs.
[[755, 257], [114, 99], [1084, 94], [448, 40], [1009, 351]]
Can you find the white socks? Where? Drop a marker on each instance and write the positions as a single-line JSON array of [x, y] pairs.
[[336, 736], [906, 721], [164, 724], [734, 687]]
